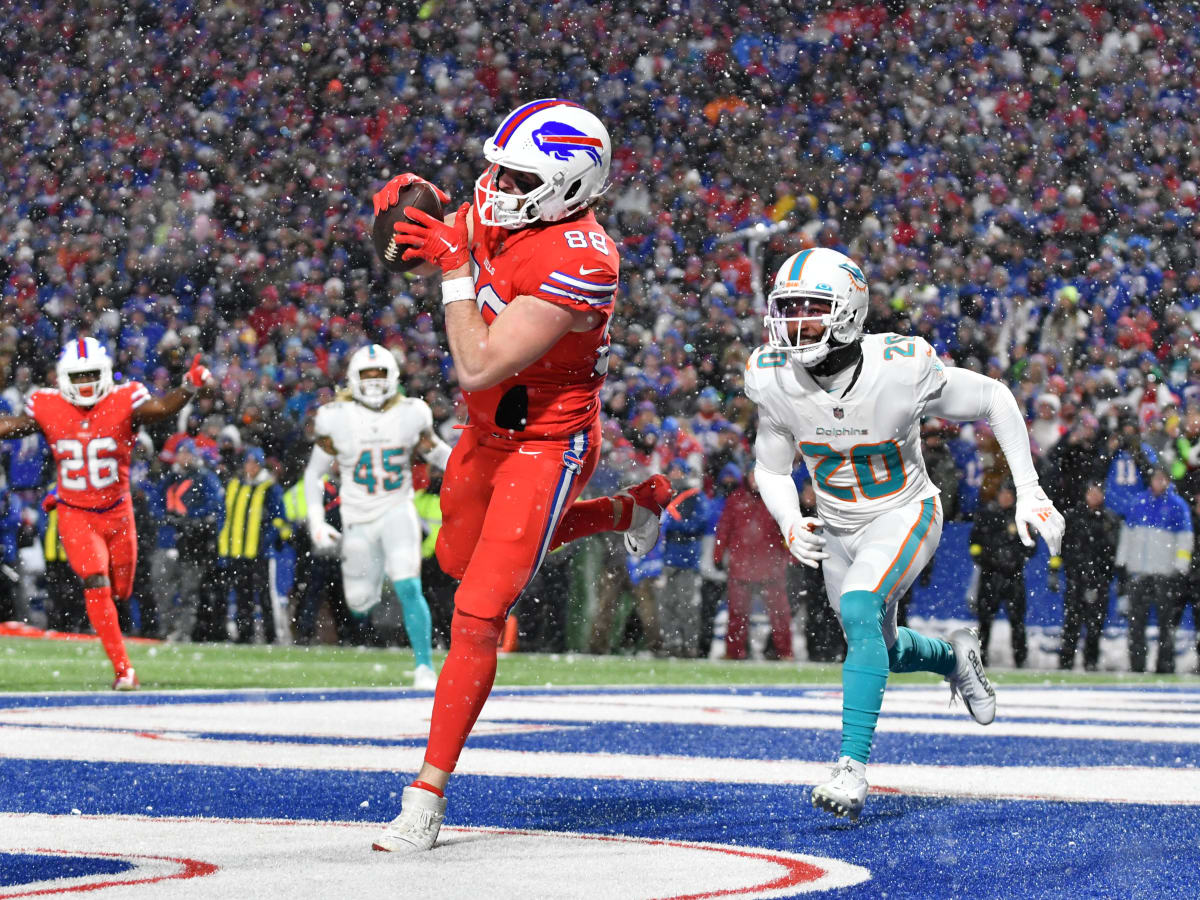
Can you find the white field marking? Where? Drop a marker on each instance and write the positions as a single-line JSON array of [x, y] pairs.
[[288, 859], [406, 718], [1115, 784]]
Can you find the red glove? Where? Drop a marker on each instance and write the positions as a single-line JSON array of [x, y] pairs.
[[446, 246], [50, 502], [390, 194], [197, 376]]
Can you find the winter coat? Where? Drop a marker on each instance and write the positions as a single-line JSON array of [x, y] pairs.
[[749, 538], [1156, 538], [1089, 546], [1000, 547]]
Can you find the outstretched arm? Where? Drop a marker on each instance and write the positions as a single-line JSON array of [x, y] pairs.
[[157, 408], [968, 396], [18, 426], [324, 536]]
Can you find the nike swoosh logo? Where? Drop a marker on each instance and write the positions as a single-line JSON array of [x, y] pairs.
[[449, 246], [583, 271], [525, 452]]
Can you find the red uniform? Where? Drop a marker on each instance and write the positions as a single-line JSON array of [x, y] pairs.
[[91, 447], [534, 439]]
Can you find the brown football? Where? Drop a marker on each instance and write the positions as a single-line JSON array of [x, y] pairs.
[[423, 198]]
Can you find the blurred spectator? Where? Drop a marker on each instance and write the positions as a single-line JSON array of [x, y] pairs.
[[1132, 461], [11, 607], [193, 503], [824, 640], [1191, 590], [1001, 557], [254, 522], [750, 545], [712, 578], [684, 525], [438, 586], [1155, 550], [65, 610], [1088, 561]]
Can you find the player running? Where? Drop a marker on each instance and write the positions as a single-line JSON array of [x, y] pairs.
[[529, 282], [372, 433], [852, 404], [91, 426]]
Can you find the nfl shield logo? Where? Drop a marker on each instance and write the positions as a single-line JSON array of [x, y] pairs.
[[838, 412]]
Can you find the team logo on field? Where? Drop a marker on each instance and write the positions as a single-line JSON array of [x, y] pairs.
[[839, 413], [562, 141]]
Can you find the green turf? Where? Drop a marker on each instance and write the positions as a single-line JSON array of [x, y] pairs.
[[44, 665]]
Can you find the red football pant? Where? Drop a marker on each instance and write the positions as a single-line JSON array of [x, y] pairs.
[[102, 544], [774, 594], [505, 504]]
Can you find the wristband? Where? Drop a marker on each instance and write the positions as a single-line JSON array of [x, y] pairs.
[[461, 288]]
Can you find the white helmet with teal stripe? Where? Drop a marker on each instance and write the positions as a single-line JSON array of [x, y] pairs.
[[816, 289], [374, 375]]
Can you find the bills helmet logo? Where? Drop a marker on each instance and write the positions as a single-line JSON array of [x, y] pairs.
[[839, 413], [561, 141]]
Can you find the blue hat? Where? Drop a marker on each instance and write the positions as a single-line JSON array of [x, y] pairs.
[[681, 464], [730, 470], [254, 453], [670, 425], [186, 444], [710, 393]]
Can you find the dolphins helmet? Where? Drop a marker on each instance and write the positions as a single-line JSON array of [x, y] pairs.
[[822, 286], [374, 392]]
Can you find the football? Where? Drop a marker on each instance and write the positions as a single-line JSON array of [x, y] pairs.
[[423, 198]]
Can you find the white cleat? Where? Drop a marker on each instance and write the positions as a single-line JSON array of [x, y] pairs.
[[649, 499], [127, 681], [425, 679], [846, 792], [968, 679], [416, 828]]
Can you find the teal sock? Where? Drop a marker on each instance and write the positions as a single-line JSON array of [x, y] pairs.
[[865, 672], [417, 621], [914, 652]]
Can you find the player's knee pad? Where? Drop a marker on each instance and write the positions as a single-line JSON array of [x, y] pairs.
[[474, 635], [862, 620], [95, 581]]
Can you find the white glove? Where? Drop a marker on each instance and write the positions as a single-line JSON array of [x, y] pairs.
[[324, 536], [804, 540], [1035, 510]]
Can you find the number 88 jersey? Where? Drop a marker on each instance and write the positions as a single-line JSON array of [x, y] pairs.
[[863, 450], [91, 444], [573, 264]]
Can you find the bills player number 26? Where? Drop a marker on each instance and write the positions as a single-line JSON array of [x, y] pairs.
[[86, 465]]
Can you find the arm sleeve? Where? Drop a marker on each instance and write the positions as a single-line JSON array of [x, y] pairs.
[[968, 396], [318, 467], [137, 394]]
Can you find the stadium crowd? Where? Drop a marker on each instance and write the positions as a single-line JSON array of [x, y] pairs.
[[1016, 180]]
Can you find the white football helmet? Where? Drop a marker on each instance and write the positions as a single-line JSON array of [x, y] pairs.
[[563, 150], [373, 392], [818, 285], [84, 356]]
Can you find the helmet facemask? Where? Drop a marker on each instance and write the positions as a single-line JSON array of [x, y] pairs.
[[806, 325], [373, 387], [86, 387], [512, 210]]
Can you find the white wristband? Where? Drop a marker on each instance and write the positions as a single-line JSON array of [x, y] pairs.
[[461, 288]]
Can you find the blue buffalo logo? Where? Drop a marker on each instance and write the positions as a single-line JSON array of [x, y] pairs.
[[561, 141], [572, 462]]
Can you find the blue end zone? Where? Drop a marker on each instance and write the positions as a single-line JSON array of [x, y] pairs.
[[31, 868], [914, 847]]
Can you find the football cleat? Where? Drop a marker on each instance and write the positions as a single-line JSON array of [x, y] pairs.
[[649, 498], [968, 679], [844, 793], [416, 828], [424, 678], [126, 681]]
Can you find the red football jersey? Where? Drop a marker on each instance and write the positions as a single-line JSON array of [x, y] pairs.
[[573, 264], [91, 444]]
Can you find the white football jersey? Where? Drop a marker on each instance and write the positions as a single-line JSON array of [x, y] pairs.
[[863, 450], [374, 452]]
